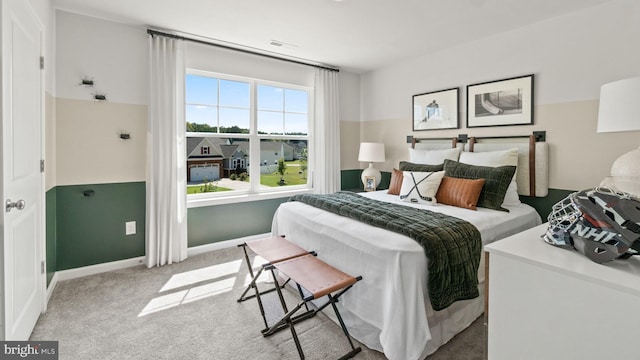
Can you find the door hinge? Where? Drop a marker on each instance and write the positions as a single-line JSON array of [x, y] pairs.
[[42, 267], [41, 165], [41, 62]]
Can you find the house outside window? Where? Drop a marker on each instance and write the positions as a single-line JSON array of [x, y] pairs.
[[243, 119]]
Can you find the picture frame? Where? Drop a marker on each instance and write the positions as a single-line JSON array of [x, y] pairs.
[[501, 102], [436, 110], [369, 183]]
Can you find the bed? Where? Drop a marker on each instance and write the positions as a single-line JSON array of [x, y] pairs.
[[390, 310]]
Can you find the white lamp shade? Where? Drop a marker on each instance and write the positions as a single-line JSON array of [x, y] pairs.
[[619, 109], [371, 152], [619, 112]]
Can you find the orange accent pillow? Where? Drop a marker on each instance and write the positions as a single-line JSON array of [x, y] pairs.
[[396, 182], [459, 192]]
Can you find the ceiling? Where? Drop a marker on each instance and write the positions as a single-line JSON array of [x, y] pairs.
[[354, 35]]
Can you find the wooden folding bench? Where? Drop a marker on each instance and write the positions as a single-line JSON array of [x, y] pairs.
[[273, 249], [314, 279]]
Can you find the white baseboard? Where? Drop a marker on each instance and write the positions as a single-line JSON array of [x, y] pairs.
[[122, 264], [98, 268], [52, 286], [196, 250], [90, 270]]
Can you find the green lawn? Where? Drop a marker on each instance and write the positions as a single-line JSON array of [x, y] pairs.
[[290, 178], [200, 189]]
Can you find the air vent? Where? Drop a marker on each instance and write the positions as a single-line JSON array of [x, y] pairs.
[[283, 44]]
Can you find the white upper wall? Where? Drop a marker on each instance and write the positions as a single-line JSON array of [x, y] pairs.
[[114, 55], [571, 57], [349, 96]]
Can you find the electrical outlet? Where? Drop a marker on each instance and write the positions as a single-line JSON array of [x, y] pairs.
[[130, 228]]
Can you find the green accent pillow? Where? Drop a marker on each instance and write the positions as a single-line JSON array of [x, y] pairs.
[[409, 166], [497, 180]]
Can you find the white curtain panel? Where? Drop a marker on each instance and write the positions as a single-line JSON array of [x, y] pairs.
[[166, 208], [327, 132]]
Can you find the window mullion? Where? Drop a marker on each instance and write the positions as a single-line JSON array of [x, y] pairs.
[[284, 103], [218, 108], [254, 141]]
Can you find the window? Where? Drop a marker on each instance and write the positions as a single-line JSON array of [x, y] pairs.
[[233, 121]]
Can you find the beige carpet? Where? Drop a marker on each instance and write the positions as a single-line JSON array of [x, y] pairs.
[[189, 311]]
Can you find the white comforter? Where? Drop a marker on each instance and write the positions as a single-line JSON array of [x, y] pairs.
[[387, 310]]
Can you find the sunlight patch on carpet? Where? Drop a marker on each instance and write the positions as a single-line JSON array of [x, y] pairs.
[[182, 297], [194, 285], [163, 303], [204, 274]]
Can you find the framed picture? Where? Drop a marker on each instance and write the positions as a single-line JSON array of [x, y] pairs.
[[436, 110], [369, 183], [501, 102]]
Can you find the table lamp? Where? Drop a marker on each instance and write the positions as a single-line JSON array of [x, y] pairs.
[[371, 152], [619, 112]]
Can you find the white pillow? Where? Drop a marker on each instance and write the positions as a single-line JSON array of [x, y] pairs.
[[495, 159], [433, 157], [420, 187]]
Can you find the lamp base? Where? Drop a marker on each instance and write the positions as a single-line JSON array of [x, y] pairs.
[[625, 172], [368, 172]]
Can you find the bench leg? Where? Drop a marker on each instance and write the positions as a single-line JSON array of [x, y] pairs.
[[354, 350], [253, 285]]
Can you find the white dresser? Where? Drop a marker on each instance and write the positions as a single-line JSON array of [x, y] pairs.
[[548, 303]]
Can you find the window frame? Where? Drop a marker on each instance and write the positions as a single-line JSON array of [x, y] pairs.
[[255, 192]]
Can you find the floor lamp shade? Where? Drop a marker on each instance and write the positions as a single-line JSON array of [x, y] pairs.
[[371, 152], [619, 112]]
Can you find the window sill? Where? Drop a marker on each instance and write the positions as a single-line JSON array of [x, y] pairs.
[[240, 198]]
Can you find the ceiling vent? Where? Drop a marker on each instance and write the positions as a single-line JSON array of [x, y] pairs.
[[283, 44]]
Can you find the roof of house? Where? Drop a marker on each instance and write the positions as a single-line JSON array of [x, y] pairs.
[[274, 146], [213, 143], [229, 150]]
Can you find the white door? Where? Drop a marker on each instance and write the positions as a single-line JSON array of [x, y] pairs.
[[22, 95]]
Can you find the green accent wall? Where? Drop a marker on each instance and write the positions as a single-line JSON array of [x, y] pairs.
[[50, 234], [543, 205], [91, 229], [216, 223], [87, 230], [350, 180]]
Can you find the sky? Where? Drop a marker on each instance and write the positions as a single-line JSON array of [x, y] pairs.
[[226, 103]]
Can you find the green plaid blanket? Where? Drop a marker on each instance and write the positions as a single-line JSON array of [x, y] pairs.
[[452, 245]]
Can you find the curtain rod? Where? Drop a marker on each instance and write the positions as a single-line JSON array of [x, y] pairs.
[[159, 33]]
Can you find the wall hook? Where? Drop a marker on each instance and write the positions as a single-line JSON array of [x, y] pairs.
[[86, 82]]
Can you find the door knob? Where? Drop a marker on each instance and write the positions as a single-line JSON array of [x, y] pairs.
[[18, 205]]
